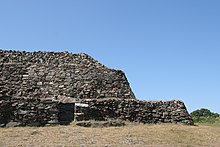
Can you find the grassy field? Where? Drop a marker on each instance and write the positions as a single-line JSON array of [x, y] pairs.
[[159, 135]]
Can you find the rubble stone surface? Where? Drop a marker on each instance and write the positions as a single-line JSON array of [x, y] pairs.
[[40, 88]]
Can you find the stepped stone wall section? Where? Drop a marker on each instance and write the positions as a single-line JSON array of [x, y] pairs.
[[49, 74], [136, 111], [32, 112], [39, 88]]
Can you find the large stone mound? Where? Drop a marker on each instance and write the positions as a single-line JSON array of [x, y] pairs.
[[50, 74], [40, 88]]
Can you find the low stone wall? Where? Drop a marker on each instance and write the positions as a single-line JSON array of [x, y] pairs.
[[36, 112], [22, 112], [136, 111]]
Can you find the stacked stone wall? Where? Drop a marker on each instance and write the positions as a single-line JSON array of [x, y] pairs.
[[49, 74], [32, 112], [136, 111], [32, 84]]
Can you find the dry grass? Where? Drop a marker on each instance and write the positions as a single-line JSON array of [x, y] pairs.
[[163, 135]]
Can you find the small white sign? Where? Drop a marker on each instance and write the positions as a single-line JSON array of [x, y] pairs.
[[81, 105]]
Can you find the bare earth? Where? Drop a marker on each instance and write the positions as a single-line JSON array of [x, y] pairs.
[[161, 135]]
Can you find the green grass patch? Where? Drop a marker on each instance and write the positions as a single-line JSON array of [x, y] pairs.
[[208, 120]]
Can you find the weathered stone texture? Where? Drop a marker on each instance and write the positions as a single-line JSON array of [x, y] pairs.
[[49, 74], [33, 112], [137, 111], [39, 88]]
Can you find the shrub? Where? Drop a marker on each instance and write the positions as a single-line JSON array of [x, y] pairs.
[[205, 116], [204, 112]]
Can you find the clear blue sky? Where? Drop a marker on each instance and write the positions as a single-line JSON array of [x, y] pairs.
[[169, 49]]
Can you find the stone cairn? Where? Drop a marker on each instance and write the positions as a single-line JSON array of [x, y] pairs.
[[40, 88]]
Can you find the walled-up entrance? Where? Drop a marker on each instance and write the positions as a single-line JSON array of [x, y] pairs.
[[6, 111], [66, 113]]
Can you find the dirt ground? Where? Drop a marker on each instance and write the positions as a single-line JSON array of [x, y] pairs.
[[157, 135]]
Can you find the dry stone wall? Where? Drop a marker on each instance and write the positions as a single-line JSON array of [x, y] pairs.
[[39, 88], [49, 74], [136, 111], [32, 112]]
